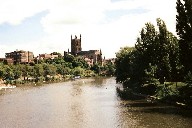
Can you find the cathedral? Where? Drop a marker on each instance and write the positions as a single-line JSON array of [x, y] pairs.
[[91, 56]]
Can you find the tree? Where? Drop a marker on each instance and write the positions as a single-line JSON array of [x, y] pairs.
[[146, 44], [146, 47], [155, 58], [78, 71], [159, 47], [96, 68], [8, 72], [2, 71], [62, 69], [122, 64], [69, 58], [17, 71], [109, 69], [184, 31], [25, 71], [80, 61], [58, 60], [38, 71], [49, 69], [163, 62]]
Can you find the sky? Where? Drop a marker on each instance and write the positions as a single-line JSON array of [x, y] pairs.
[[46, 26]]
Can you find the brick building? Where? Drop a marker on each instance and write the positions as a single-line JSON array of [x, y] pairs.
[[47, 56], [75, 45], [19, 57]]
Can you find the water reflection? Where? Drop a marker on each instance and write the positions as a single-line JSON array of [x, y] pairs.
[[99, 82], [83, 103]]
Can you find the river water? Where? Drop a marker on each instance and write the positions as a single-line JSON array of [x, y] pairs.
[[84, 103]]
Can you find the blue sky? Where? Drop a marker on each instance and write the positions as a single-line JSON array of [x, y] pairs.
[[29, 30], [45, 26]]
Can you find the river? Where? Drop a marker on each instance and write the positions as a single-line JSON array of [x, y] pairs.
[[84, 103]]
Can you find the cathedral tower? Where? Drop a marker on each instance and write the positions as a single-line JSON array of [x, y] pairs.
[[75, 45]]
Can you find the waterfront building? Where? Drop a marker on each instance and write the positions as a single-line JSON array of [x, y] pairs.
[[20, 57], [90, 56]]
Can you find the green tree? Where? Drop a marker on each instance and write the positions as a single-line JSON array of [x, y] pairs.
[[159, 47], [80, 61], [49, 69], [38, 71], [63, 70], [122, 64], [2, 71], [9, 75], [58, 60], [78, 71], [153, 59], [17, 71], [26, 71], [109, 68], [163, 62], [69, 58], [146, 47], [184, 31]]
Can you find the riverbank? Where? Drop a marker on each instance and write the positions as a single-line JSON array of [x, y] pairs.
[[3, 86], [128, 94], [33, 82]]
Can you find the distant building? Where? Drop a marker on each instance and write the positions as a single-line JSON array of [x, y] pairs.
[[3, 60], [44, 56], [19, 57], [94, 55], [91, 56], [47, 56], [75, 45]]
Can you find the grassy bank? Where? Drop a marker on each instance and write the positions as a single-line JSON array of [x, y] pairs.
[[169, 93]]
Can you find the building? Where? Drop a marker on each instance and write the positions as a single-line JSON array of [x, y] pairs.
[[94, 55], [19, 57], [47, 56], [91, 56], [75, 45], [4, 60]]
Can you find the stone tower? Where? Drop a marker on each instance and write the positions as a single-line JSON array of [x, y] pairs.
[[75, 45]]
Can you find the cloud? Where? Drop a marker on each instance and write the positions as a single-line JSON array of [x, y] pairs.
[[15, 11], [103, 24]]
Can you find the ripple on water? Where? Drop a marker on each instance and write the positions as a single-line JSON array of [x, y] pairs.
[[83, 103]]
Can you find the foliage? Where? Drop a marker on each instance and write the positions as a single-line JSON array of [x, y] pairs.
[[184, 31], [69, 58], [150, 73], [109, 68], [186, 90], [78, 71], [154, 60], [123, 64], [159, 57], [52, 69], [96, 68]]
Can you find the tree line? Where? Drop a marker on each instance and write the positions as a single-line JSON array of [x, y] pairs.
[[57, 69], [160, 64]]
